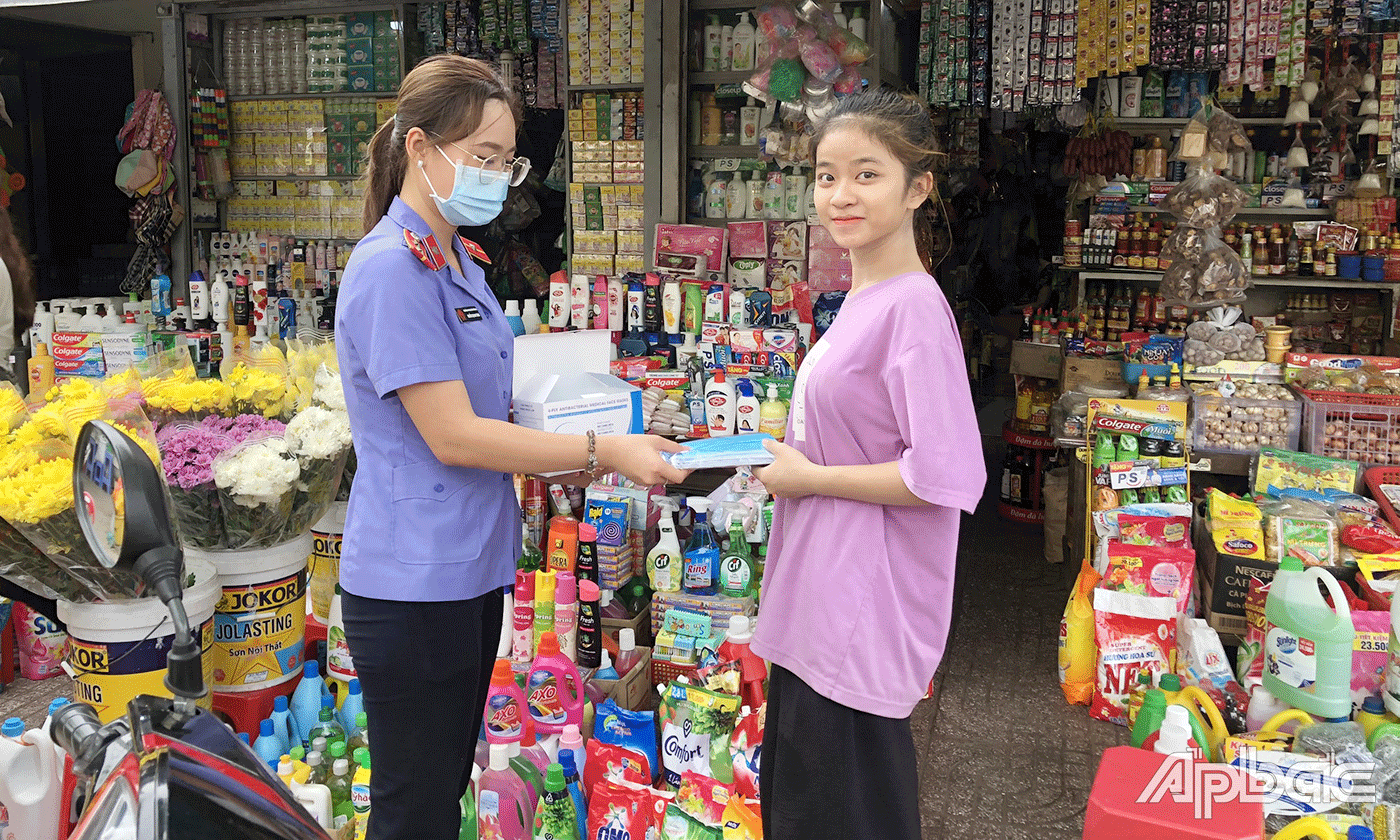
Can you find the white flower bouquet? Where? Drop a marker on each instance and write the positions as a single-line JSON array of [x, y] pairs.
[[319, 438], [257, 487]]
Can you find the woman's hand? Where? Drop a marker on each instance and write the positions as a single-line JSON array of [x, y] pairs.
[[638, 457], [791, 475]]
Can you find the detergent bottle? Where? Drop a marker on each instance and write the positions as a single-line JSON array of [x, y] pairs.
[[555, 817], [575, 788], [339, 783], [555, 690], [306, 701], [505, 706], [282, 723], [1175, 733], [315, 798], [326, 725], [268, 746], [468, 829], [1151, 717], [339, 664], [1263, 705], [752, 670], [533, 752], [571, 741], [352, 707], [359, 794], [736, 577], [1202, 709], [1371, 715], [1307, 651], [701, 552], [665, 563], [503, 808], [31, 785], [628, 656], [360, 738], [527, 772]]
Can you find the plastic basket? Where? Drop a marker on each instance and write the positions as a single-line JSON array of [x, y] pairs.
[[1240, 424], [1349, 398], [1366, 433], [663, 672]]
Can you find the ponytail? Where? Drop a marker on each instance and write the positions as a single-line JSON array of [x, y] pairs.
[[385, 172], [444, 96], [932, 248]]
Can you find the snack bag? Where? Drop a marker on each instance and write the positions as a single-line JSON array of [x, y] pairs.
[[1148, 570], [696, 726], [1133, 632], [1159, 531], [635, 731], [609, 762], [1277, 469], [1312, 540], [616, 810], [42, 646], [1078, 653], [1249, 659], [1235, 525], [1200, 661]]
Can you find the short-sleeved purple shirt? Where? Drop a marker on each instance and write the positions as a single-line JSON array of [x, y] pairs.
[[417, 529], [857, 597]]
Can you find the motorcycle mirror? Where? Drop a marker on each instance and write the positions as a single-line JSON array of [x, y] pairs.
[[120, 498]]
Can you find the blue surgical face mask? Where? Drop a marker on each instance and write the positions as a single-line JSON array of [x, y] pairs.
[[471, 203]]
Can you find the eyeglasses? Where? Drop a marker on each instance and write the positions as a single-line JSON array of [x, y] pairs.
[[496, 168]]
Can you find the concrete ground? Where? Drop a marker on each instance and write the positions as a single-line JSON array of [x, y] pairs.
[[1001, 753]]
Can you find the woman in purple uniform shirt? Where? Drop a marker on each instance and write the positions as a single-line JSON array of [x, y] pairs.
[[433, 528]]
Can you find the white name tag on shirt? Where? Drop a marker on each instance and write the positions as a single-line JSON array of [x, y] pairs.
[[799, 389]]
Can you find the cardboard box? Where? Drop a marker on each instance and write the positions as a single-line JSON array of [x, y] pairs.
[[1225, 578], [77, 354], [748, 240], [1085, 370], [562, 385], [787, 240], [640, 624], [633, 690], [1039, 360]]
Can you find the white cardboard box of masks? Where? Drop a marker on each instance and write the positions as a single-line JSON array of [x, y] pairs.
[[562, 385]]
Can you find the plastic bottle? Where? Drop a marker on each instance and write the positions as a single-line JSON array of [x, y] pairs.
[[773, 414], [503, 807], [31, 784], [268, 746], [360, 738], [586, 567], [314, 797], [566, 614], [856, 23], [530, 318], [628, 656], [327, 726], [701, 552], [316, 770], [1203, 710], [1319, 681], [665, 562], [571, 743], [753, 671], [561, 551], [41, 370], [468, 829], [534, 752], [527, 772], [306, 700], [339, 783], [590, 625], [742, 46], [351, 707], [717, 196], [283, 723], [1371, 715], [1175, 733], [610, 607], [746, 408], [544, 604], [572, 783], [513, 318], [555, 696], [735, 576], [1149, 717], [359, 794], [719, 405], [714, 44], [505, 706], [736, 195], [555, 815]]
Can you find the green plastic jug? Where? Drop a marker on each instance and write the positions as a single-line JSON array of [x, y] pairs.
[[1307, 652]]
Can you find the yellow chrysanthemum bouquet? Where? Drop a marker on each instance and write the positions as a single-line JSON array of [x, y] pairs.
[[41, 545]]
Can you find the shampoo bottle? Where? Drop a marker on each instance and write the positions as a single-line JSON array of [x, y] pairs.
[[736, 198], [599, 306], [665, 561], [671, 305], [719, 405], [578, 301], [742, 48], [746, 408]]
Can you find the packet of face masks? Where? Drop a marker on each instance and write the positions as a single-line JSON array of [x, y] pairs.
[[696, 725]]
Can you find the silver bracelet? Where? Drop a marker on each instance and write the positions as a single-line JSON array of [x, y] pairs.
[[592, 469]]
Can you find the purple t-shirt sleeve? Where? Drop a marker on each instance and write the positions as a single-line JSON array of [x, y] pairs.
[[928, 385], [398, 325]]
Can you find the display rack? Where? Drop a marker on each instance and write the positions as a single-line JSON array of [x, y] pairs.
[[1041, 448]]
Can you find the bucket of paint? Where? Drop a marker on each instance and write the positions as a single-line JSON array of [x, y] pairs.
[[42, 646], [324, 571], [260, 621], [117, 648]]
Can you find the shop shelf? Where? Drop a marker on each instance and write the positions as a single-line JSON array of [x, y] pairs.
[[1149, 123], [1221, 463], [605, 87], [347, 94], [711, 152], [1289, 212], [720, 5], [720, 77], [1106, 273]]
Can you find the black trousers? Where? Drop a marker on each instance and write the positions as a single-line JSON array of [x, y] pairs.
[[424, 668], [829, 772]]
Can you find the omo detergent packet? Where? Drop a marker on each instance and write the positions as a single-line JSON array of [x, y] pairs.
[[635, 731]]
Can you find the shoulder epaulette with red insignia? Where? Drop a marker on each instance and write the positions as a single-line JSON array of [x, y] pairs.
[[425, 248], [474, 249]]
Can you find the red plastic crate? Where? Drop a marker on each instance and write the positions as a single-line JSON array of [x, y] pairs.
[[1367, 433], [663, 672], [1375, 477]]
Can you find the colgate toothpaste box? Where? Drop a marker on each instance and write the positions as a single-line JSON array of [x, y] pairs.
[[78, 354]]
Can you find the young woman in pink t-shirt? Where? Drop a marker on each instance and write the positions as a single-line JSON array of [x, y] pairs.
[[882, 455]]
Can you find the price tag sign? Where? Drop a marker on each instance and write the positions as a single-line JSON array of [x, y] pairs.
[[726, 165], [1371, 642], [1128, 475]]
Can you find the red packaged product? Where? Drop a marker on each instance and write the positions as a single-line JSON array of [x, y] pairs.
[[618, 811], [1133, 632], [1153, 571], [609, 761], [1371, 538]]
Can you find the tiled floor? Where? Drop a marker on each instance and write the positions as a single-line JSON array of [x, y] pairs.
[[1001, 753]]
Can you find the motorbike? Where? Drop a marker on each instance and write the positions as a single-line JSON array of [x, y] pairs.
[[168, 770]]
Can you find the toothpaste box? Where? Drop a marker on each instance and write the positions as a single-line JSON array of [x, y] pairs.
[[78, 354]]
